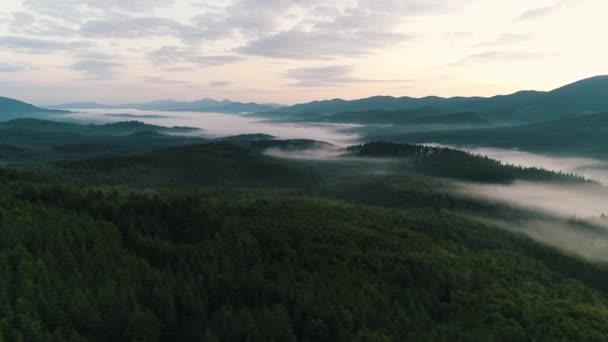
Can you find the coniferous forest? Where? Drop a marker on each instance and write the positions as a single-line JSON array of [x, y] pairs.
[[181, 239]]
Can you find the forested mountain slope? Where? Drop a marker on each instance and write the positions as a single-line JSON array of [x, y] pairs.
[[107, 265]]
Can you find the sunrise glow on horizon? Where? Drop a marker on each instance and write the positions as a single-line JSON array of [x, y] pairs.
[[294, 51]]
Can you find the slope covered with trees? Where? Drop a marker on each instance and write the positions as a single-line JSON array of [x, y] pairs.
[[183, 239], [107, 265], [581, 135], [447, 162]]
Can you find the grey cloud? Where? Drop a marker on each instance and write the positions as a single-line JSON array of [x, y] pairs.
[[23, 19], [96, 69], [11, 68], [411, 7], [29, 24], [38, 45], [162, 80], [329, 76], [296, 29], [132, 28], [322, 45], [324, 31], [219, 84], [94, 55], [171, 55], [252, 18], [343, 29], [73, 10]]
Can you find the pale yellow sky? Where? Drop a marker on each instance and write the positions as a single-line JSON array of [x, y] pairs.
[[54, 51]]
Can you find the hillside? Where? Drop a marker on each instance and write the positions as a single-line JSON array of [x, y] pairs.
[[276, 270], [11, 108], [45, 140], [446, 162], [581, 135]]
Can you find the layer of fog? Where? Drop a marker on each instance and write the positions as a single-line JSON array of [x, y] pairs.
[[573, 238], [216, 125], [561, 200], [569, 217], [589, 168]]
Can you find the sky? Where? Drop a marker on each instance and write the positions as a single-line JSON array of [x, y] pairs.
[[116, 51]]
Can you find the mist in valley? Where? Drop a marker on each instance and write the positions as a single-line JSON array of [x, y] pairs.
[[217, 125], [570, 216], [567, 216]]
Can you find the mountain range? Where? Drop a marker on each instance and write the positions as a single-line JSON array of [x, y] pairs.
[[204, 105], [587, 96], [582, 97], [583, 135]]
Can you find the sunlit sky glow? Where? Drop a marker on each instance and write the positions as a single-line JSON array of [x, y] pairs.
[[113, 51]]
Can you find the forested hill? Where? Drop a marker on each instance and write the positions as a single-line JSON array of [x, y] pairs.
[[117, 235], [581, 135], [447, 162], [91, 265]]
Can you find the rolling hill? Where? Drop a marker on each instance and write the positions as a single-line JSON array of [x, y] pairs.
[[11, 108]]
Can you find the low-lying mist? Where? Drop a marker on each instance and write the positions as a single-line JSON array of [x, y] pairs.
[[579, 238], [570, 217], [562, 200], [216, 125]]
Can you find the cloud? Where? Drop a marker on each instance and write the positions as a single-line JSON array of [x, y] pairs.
[[495, 56], [140, 27], [28, 24], [94, 55], [162, 80], [322, 45], [324, 31], [170, 55], [540, 12], [219, 84], [38, 45], [329, 76], [96, 69], [74, 10], [4, 68]]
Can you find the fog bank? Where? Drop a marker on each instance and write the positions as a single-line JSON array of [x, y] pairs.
[[216, 125], [561, 200]]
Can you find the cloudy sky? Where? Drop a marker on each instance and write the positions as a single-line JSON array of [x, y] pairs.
[[54, 51]]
